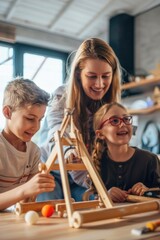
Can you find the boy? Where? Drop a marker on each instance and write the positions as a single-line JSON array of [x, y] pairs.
[[24, 106]]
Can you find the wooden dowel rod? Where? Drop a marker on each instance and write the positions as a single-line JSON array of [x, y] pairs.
[[21, 208], [68, 141], [61, 207], [82, 217], [51, 159], [64, 178], [136, 199], [94, 174], [70, 166]]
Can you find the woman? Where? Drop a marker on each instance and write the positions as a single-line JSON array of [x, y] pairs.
[[94, 80], [124, 169]]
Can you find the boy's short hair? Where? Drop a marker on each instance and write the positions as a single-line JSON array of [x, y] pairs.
[[21, 92]]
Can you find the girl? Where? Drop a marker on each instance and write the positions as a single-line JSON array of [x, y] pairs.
[[124, 169]]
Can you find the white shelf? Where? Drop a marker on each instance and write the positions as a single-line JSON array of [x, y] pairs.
[[143, 83], [144, 111]]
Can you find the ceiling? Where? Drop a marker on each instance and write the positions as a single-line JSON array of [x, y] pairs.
[[66, 21]]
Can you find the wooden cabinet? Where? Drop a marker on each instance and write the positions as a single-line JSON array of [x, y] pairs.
[[146, 85]]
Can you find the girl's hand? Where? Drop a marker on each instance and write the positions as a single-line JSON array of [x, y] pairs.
[[39, 183], [117, 195], [138, 189]]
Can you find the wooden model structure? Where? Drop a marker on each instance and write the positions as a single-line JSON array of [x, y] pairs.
[[73, 138]]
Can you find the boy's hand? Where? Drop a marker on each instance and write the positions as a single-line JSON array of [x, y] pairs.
[[41, 182]]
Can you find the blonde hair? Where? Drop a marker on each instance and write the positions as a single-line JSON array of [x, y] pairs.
[[93, 48], [21, 92]]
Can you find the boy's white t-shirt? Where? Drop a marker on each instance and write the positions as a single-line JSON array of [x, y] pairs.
[[16, 166]]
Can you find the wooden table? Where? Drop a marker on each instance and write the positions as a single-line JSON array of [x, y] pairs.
[[13, 227]]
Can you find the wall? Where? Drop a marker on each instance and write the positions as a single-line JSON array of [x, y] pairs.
[[147, 39], [147, 56], [47, 40], [141, 120]]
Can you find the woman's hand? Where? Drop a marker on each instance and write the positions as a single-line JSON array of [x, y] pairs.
[[138, 189], [71, 156], [117, 195]]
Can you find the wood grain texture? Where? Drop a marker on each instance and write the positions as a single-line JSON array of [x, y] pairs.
[[13, 227]]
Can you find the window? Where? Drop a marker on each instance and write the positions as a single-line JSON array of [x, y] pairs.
[[45, 67], [46, 72], [6, 74]]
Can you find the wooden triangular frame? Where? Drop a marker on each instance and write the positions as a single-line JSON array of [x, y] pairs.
[[73, 138], [77, 218]]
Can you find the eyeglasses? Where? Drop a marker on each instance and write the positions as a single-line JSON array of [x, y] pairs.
[[116, 121]]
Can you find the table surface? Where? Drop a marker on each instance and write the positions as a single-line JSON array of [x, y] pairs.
[[14, 227]]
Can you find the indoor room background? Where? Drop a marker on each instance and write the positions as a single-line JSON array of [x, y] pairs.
[[33, 52]]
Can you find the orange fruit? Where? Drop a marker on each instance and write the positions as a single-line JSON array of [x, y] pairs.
[[47, 210]]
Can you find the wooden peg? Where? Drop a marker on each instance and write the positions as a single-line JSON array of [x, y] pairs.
[[61, 207], [42, 167]]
